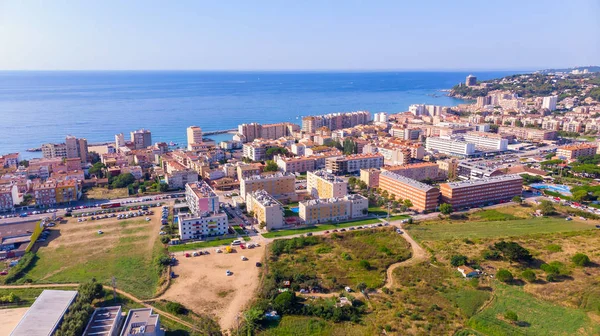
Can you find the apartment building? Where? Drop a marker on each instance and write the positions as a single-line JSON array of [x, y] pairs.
[[296, 164], [353, 163], [194, 136], [280, 185], [266, 209], [245, 170], [9, 160], [257, 150], [487, 140], [572, 152], [142, 322], [370, 177], [72, 148], [550, 102], [141, 138], [200, 197], [67, 191], [252, 131], [105, 321], [394, 155], [177, 179], [44, 193], [416, 171], [321, 184], [423, 197], [405, 133], [450, 146], [477, 192], [335, 121], [474, 170], [202, 225], [448, 168], [9, 197], [333, 209], [528, 133]]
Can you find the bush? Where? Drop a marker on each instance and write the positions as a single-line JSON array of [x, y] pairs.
[[285, 302], [513, 251], [365, 264], [528, 275], [15, 273], [458, 260], [581, 260], [492, 255], [176, 308], [504, 275], [511, 316]]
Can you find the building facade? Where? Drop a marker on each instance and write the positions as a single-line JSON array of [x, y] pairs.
[[321, 184], [476, 192], [571, 152], [282, 186], [266, 209], [416, 171], [353, 163], [333, 209], [423, 197], [450, 146]]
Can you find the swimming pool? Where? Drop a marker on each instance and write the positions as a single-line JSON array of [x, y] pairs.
[[559, 188], [295, 209]]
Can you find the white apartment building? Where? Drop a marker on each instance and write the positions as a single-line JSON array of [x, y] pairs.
[[418, 109], [333, 209], [380, 117], [549, 102], [200, 197], [321, 184], [266, 209], [449, 146], [201, 226], [487, 140]]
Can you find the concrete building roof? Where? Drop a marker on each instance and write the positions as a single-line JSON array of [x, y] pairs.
[[103, 322], [483, 181], [413, 183], [44, 315]]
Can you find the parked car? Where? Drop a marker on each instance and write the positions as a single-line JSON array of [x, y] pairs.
[[228, 273], [244, 258], [100, 232]]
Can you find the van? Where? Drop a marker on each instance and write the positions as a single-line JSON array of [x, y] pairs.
[[236, 242]]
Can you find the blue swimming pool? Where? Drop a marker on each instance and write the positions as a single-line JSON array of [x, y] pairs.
[[559, 188], [295, 209]]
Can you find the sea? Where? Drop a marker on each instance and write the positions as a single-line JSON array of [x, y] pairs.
[[38, 107]]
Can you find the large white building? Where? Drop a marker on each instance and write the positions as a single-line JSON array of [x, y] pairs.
[[380, 117], [205, 218], [449, 146], [549, 102], [488, 140], [418, 109]]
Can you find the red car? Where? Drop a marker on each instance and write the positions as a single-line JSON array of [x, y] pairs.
[[243, 246], [187, 255], [326, 232]]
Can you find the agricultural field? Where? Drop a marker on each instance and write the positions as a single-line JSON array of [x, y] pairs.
[[126, 249], [502, 222]]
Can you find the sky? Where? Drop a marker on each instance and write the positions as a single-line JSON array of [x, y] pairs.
[[298, 35]]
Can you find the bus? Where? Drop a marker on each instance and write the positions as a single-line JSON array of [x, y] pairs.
[[110, 205]]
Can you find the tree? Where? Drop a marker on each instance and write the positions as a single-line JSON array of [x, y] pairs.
[[271, 166], [581, 260], [97, 169], [93, 157], [458, 260], [513, 251], [446, 208], [122, 180], [24, 163], [175, 308], [163, 187], [504, 275], [580, 195], [408, 203], [285, 301], [546, 208], [517, 199], [262, 225], [361, 286], [528, 275], [365, 264]]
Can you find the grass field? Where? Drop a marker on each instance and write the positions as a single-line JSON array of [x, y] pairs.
[[26, 295], [443, 230], [199, 245], [309, 326], [126, 250], [104, 193], [320, 227], [537, 317]]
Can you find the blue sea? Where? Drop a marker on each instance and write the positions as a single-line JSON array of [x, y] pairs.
[[40, 107]]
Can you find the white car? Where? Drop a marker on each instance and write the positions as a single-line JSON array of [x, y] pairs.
[[100, 232], [162, 233], [218, 251], [228, 273], [147, 219], [244, 258]]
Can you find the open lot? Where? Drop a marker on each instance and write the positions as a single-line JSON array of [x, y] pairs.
[[76, 252], [319, 227], [202, 285], [10, 318], [106, 194]]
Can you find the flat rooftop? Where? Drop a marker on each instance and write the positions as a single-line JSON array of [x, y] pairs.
[[43, 316], [202, 189], [484, 181], [408, 181], [140, 321], [103, 321], [17, 230], [327, 176]]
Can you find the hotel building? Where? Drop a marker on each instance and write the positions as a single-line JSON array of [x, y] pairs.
[[481, 191], [423, 197], [282, 186], [321, 184], [488, 140], [266, 209], [333, 209], [571, 152], [449, 146]]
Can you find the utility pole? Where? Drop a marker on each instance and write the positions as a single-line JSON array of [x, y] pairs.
[[388, 212], [114, 286]]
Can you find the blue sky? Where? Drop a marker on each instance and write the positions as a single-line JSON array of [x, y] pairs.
[[298, 35]]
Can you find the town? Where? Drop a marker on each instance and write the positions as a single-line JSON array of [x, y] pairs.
[[526, 142]]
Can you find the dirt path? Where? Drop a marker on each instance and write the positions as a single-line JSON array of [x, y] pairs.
[[418, 255]]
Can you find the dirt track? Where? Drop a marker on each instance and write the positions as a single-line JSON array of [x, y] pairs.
[[418, 255]]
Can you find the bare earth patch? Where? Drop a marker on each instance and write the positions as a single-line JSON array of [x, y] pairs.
[[10, 318]]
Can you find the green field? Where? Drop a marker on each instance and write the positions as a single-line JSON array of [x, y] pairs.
[[535, 316], [199, 245], [487, 229], [320, 227], [26, 296], [312, 326], [77, 253]]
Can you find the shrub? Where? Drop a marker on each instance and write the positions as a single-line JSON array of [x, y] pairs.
[[491, 255], [513, 251], [27, 261], [528, 275], [511, 316], [581, 260], [554, 248], [176, 308], [504, 275], [365, 264], [458, 260]]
